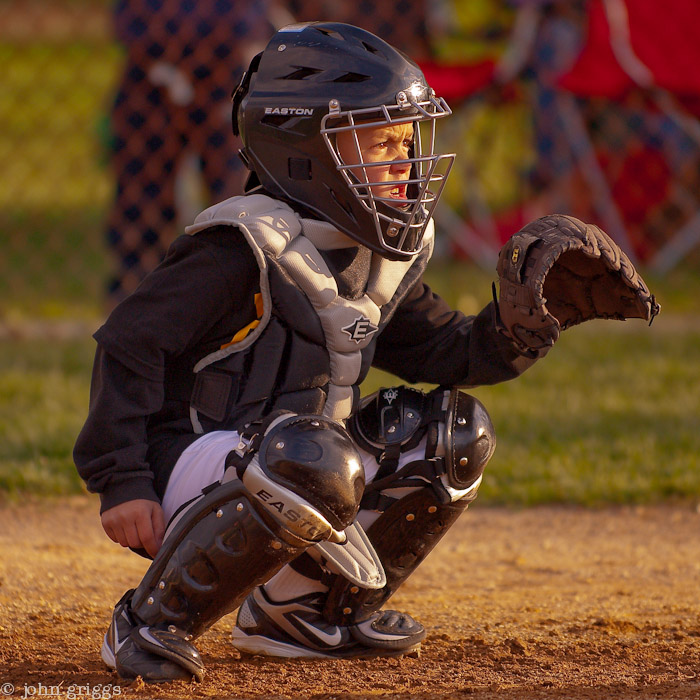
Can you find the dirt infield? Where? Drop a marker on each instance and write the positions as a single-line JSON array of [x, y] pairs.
[[542, 603]]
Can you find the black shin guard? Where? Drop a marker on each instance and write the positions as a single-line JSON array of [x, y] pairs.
[[402, 537], [210, 561], [297, 483], [459, 442]]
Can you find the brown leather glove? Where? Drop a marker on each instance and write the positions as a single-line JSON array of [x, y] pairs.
[[558, 271]]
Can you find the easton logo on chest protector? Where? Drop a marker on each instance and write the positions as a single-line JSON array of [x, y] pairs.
[[360, 329], [390, 395]]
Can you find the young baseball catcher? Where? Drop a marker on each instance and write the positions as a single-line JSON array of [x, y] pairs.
[[225, 397]]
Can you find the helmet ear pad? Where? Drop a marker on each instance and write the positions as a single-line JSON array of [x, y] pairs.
[[240, 92]]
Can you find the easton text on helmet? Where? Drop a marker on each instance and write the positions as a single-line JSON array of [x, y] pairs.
[[289, 111]]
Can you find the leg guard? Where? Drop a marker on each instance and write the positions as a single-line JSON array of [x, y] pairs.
[[460, 441], [222, 545], [300, 483]]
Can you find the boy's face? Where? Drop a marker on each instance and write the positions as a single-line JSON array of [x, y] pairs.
[[385, 144]]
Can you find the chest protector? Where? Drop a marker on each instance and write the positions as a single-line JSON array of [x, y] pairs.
[[306, 351]]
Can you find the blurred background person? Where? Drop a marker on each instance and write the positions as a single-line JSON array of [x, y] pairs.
[[172, 149]]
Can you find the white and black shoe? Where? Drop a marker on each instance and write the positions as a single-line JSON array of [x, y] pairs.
[[296, 629], [133, 649]]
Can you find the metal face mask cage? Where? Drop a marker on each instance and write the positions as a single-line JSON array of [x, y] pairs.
[[399, 229]]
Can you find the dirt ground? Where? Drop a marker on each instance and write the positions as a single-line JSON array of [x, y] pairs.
[[540, 603]]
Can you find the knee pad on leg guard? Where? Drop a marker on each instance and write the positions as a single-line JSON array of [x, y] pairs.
[[459, 436], [460, 441], [469, 439], [300, 484]]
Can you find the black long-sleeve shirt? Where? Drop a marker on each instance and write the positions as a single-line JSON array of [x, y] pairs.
[[196, 301]]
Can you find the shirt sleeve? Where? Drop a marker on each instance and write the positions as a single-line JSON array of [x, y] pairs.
[[110, 452], [427, 341], [173, 311]]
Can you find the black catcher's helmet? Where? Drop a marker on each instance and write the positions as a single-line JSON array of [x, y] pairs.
[[314, 80]]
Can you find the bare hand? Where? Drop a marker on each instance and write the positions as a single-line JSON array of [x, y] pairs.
[[137, 524]]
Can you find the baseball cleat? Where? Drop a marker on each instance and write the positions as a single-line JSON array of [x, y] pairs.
[[133, 649], [296, 629]]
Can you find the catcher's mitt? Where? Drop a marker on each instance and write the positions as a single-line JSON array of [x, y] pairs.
[[558, 271]]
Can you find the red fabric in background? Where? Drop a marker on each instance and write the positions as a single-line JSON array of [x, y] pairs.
[[665, 36], [454, 81]]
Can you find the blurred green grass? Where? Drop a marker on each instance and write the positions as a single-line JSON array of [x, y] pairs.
[[55, 99], [611, 415], [54, 187], [44, 388]]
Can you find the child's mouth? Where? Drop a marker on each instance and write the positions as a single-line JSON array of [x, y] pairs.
[[398, 192]]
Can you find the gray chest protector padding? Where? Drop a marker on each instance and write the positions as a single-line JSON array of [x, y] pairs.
[[273, 230]]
